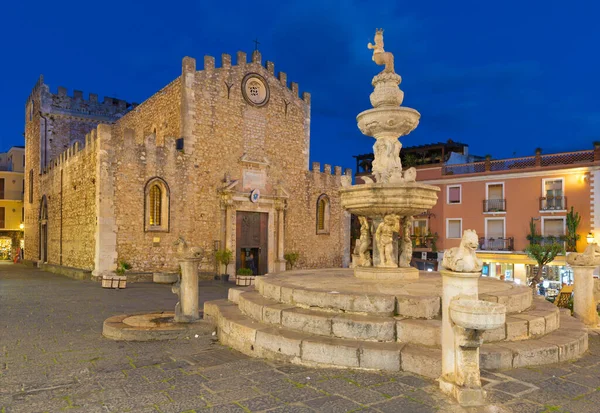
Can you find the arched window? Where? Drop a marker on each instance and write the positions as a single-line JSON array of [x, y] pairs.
[[155, 201], [30, 183], [323, 214], [157, 205]]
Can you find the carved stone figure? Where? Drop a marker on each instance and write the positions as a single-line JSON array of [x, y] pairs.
[[387, 166], [410, 175], [588, 258], [406, 252], [463, 257], [186, 252], [365, 242], [380, 56], [385, 240]]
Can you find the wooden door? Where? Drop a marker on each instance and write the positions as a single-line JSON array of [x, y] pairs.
[[252, 237]]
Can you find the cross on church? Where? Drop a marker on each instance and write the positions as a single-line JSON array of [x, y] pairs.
[[256, 43]]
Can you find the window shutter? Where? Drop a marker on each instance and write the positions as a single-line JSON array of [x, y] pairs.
[[454, 194]]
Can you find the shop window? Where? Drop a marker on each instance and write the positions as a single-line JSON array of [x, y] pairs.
[[454, 194], [454, 228], [323, 214], [157, 205]]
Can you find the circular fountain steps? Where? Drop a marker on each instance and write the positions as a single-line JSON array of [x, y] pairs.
[[354, 324], [152, 326]]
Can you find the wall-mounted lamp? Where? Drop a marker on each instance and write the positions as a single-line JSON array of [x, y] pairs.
[[21, 226], [590, 238]]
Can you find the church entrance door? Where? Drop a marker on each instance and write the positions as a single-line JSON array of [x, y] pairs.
[[252, 241]]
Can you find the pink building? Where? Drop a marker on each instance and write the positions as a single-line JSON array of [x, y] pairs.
[[498, 199]]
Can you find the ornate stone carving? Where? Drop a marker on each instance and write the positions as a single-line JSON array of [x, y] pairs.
[[410, 175], [185, 252], [385, 240], [588, 258], [365, 242], [463, 257], [380, 56], [406, 251]]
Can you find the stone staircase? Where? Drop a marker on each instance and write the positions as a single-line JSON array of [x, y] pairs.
[[285, 321]]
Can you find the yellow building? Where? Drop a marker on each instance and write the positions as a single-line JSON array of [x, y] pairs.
[[11, 201]]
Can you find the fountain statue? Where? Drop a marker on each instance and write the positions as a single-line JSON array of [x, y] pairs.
[[393, 195], [464, 320]]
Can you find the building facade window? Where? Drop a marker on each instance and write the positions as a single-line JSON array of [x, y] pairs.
[[454, 228], [1, 188], [454, 194], [31, 186], [553, 226], [156, 205], [553, 197], [323, 214], [2, 218]]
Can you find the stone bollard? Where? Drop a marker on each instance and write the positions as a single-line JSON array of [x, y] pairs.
[[584, 305], [584, 264], [186, 310]]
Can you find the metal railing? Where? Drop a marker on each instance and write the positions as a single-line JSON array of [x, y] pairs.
[[553, 203], [497, 244], [494, 205], [422, 241], [565, 158]]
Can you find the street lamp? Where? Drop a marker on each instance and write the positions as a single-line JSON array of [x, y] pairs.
[[590, 238]]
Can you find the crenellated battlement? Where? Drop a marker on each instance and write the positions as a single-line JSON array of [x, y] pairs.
[[319, 176], [256, 58], [74, 151], [76, 104]]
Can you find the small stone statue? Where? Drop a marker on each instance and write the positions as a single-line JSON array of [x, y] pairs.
[[463, 257], [385, 240], [588, 258], [365, 242], [186, 252], [380, 56], [406, 252]]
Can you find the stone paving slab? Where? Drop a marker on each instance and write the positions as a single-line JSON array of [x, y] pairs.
[[53, 358]]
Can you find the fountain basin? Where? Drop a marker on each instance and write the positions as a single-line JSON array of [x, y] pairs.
[[380, 199], [388, 121], [477, 314]]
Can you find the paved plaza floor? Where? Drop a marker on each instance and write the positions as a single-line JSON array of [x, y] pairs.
[[54, 359]]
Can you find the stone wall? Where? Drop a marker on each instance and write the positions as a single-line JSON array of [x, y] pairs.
[[69, 185]]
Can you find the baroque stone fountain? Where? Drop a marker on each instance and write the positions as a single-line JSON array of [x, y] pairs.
[[393, 198]]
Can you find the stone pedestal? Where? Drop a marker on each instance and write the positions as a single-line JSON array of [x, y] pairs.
[[386, 273], [584, 305], [454, 284], [186, 310]]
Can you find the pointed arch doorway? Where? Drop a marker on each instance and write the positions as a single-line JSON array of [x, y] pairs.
[[44, 230]]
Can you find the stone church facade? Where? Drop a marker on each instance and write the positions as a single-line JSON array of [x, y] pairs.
[[219, 156]]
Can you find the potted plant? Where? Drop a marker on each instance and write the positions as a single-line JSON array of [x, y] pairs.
[[244, 277], [224, 257], [291, 258], [120, 279]]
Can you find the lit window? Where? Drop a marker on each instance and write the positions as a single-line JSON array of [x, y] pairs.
[[157, 205], [323, 214], [454, 194]]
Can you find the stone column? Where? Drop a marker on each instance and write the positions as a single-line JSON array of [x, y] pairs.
[[280, 264], [454, 284], [584, 305], [186, 310], [229, 210]]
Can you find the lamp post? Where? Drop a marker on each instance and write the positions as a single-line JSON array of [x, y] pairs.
[[590, 238]]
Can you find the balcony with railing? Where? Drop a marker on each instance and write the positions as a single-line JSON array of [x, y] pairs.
[[497, 244], [553, 203], [494, 205], [424, 242]]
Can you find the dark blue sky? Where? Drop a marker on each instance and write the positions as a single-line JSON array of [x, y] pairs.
[[504, 77]]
